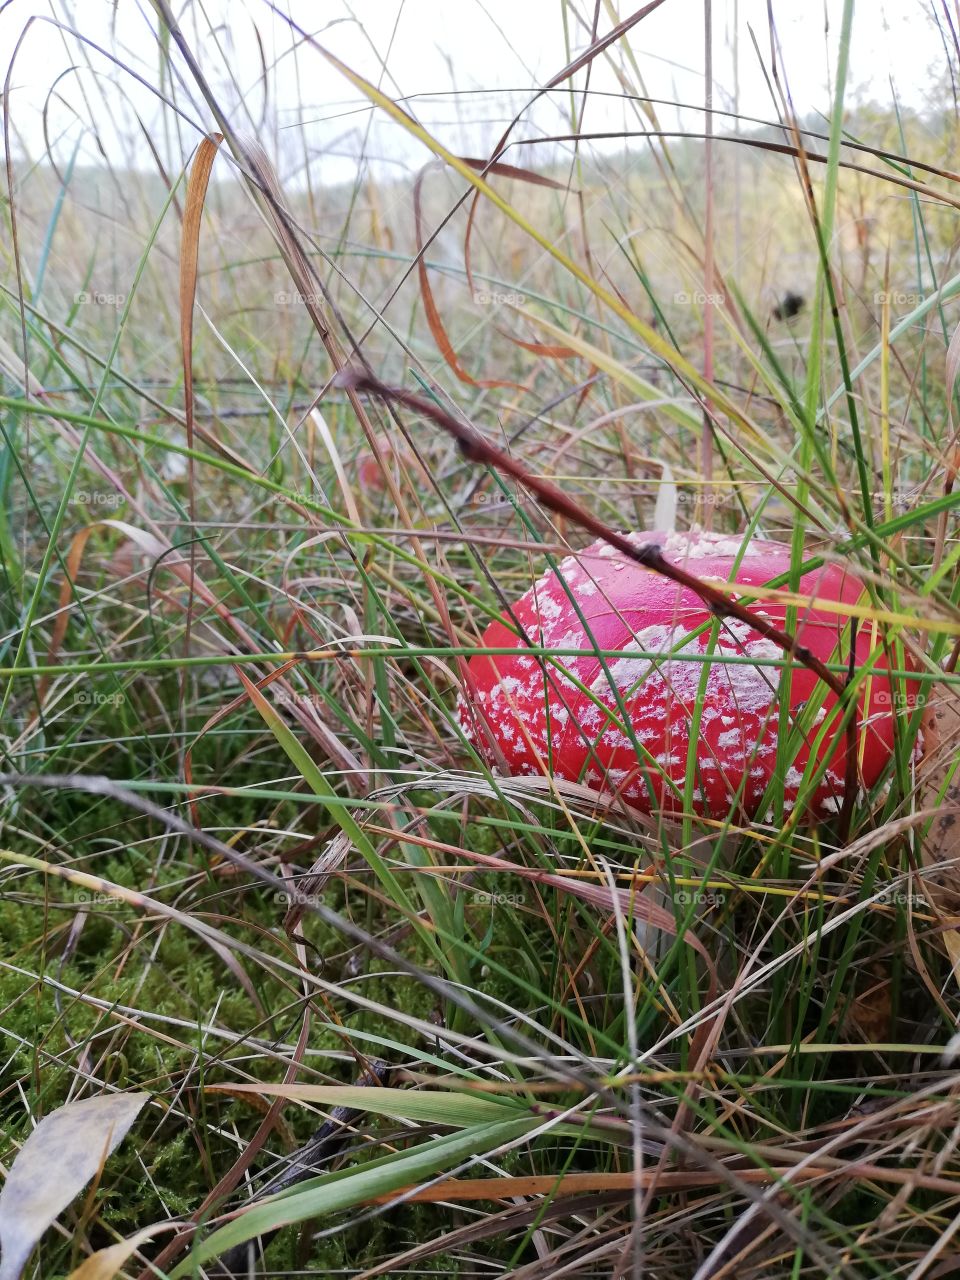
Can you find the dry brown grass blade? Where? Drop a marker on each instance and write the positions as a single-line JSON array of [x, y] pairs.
[[462, 1189], [442, 339], [467, 1189], [513, 171], [189, 255], [604, 42], [72, 568], [552, 352], [107, 1263], [431, 310], [797, 151]]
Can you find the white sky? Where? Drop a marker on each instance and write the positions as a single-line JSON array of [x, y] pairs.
[[470, 65]]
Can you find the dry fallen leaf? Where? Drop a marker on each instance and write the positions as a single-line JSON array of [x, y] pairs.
[[105, 1263], [55, 1163]]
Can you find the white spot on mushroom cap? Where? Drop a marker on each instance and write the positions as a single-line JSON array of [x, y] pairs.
[[700, 544], [549, 608], [624, 672], [590, 716]]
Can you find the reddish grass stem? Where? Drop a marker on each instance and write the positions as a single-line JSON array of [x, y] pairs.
[[476, 449]]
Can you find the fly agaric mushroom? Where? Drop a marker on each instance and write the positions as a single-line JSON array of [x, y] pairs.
[[568, 719]]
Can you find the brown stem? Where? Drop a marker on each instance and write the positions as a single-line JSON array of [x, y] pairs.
[[476, 449]]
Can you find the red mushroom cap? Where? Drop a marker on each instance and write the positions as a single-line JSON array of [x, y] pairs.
[[369, 472], [543, 721], [392, 451]]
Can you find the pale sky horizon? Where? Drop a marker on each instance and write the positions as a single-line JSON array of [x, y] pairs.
[[465, 67]]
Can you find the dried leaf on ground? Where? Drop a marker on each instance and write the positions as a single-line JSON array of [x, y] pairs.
[[56, 1162]]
